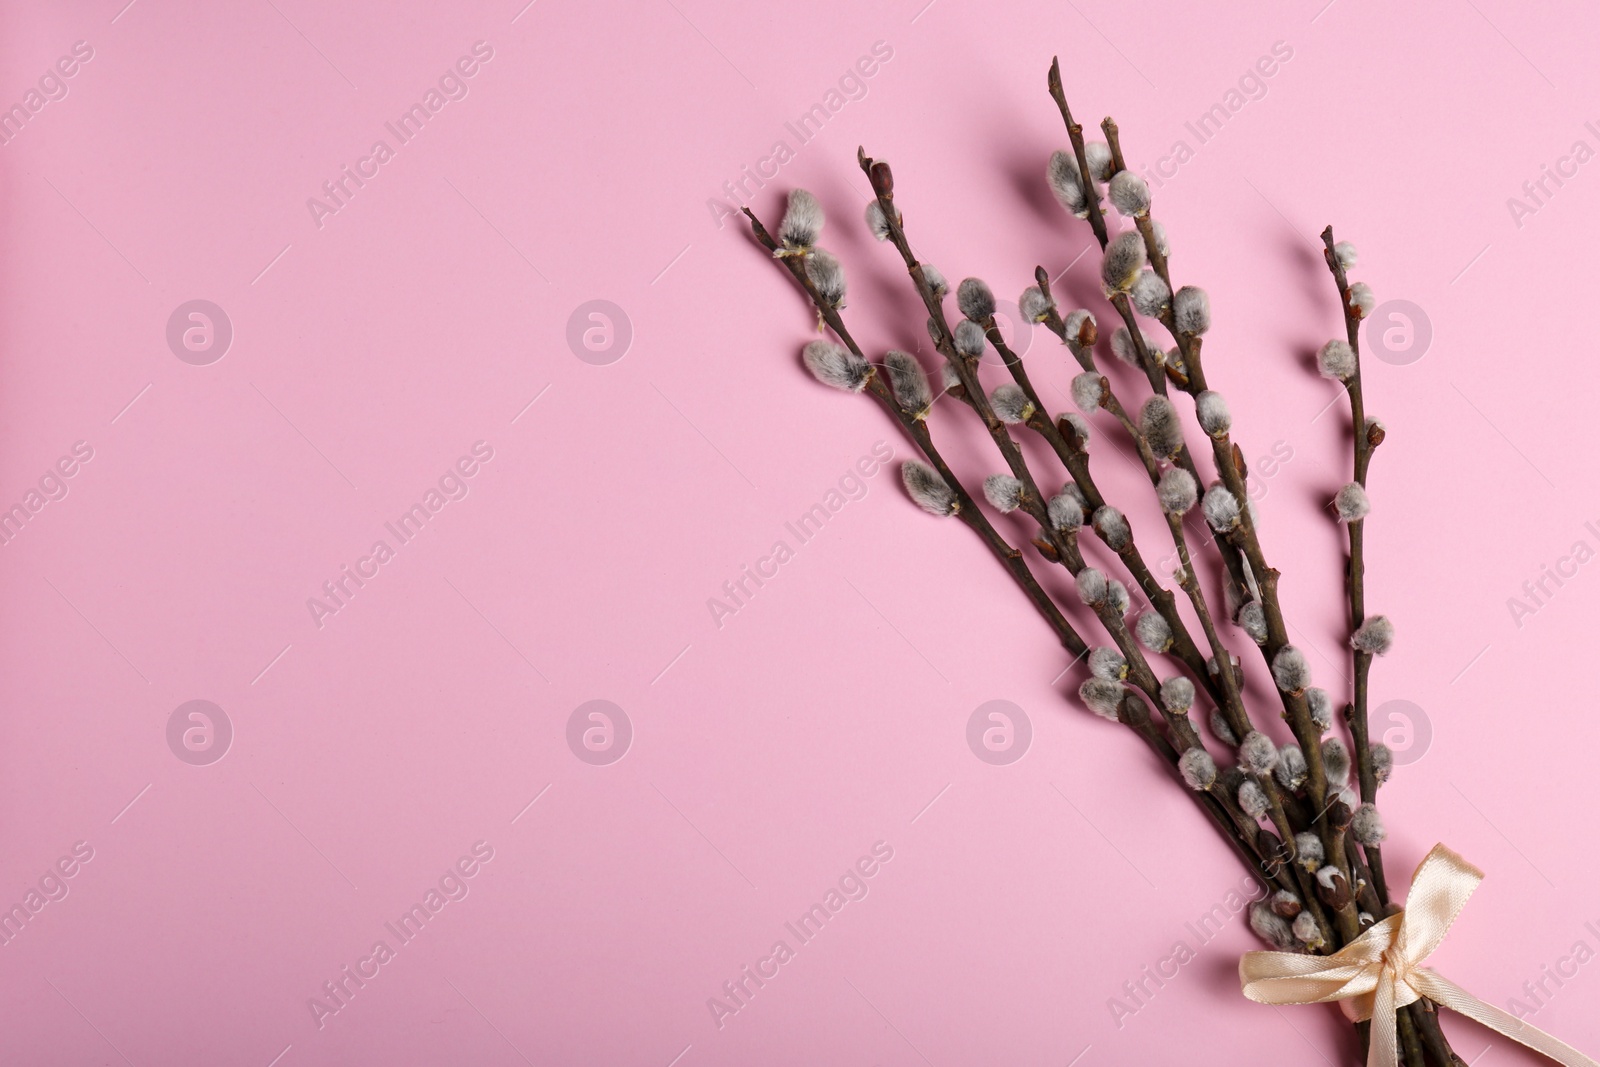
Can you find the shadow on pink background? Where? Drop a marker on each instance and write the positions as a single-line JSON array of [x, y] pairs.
[[597, 481]]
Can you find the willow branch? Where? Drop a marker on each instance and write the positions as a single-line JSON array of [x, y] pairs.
[[917, 430], [1355, 573]]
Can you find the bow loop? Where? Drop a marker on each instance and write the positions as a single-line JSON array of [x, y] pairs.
[[1381, 971]]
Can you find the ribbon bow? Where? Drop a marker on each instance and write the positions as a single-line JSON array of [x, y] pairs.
[[1381, 971]]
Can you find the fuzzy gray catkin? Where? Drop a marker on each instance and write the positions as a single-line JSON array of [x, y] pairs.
[[1107, 663], [1153, 632], [1306, 930], [1098, 155], [1221, 508], [1102, 696], [1321, 707], [1088, 390], [1350, 503], [802, 221], [1366, 826], [1159, 423], [1198, 769], [970, 339], [1361, 299], [1308, 849], [1375, 636], [949, 376], [1066, 183], [1003, 491], [1010, 403], [1130, 194], [1252, 798], [1075, 322], [1123, 260], [935, 280], [1257, 753], [877, 222], [1091, 583], [1272, 928], [1150, 295], [975, 299], [928, 489], [1336, 761], [1117, 597], [1034, 305], [1212, 411], [1337, 360], [1126, 349], [1382, 761], [1191, 310], [1176, 491], [1177, 694], [909, 382], [1291, 670], [1291, 771], [1065, 512], [1220, 728], [1253, 621], [836, 365], [1112, 526], [827, 274]]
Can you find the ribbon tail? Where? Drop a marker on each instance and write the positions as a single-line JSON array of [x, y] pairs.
[[1443, 991], [1383, 1044]]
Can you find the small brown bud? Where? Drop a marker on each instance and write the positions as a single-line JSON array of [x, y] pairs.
[[1239, 463], [1134, 712], [1046, 549], [882, 179], [1333, 887], [1070, 432], [1286, 904], [1088, 332], [1339, 815], [1375, 434]]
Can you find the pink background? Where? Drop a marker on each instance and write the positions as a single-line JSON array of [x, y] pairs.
[[770, 752]]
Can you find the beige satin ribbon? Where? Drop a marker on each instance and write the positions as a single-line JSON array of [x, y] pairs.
[[1381, 971]]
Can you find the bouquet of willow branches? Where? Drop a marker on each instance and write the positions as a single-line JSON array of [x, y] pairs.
[[1310, 835]]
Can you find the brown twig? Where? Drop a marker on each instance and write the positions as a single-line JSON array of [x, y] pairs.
[[1033, 502], [917, 429], [1355, 571], [1076, 461]]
